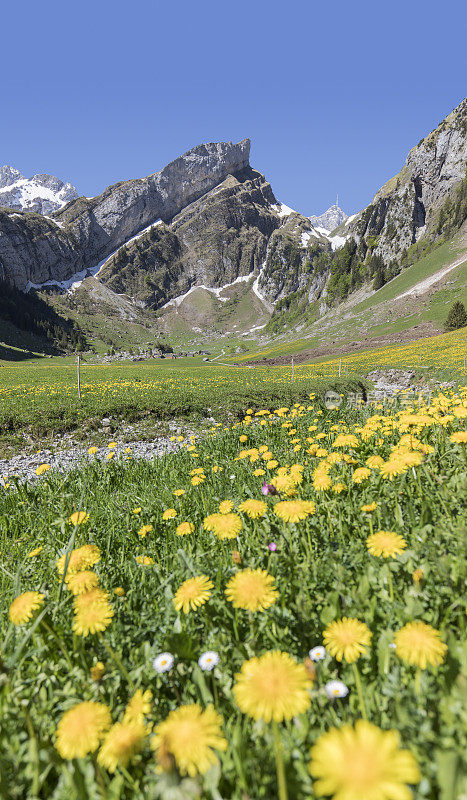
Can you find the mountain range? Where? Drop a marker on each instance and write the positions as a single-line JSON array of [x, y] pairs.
[[208, 230]]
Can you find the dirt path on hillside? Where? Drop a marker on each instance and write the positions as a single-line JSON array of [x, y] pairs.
[[426, 284]]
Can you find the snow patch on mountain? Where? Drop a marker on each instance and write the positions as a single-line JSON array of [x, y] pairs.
[[283, 210], [175, 301]]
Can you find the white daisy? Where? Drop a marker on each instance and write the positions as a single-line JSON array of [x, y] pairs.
[[317, 653], [208, 660], [335, 689], [163, 662]]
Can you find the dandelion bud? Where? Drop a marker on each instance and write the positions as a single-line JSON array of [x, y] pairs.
[[97, 671], [417, 575]]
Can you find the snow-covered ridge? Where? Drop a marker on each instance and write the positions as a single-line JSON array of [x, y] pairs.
[[41, 193]]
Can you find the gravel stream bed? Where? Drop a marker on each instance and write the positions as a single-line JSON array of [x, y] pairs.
[[23, 466]]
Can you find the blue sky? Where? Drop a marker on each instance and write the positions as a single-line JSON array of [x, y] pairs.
[[332, 95]]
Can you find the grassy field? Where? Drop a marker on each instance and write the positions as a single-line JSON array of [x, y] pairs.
[[190, 698], [42, 394], [443, 352]]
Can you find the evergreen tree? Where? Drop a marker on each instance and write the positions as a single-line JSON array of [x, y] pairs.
[[379, 280], [457, 317]]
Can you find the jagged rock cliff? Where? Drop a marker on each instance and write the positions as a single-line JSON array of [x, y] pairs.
[[406, 207], [207, 219], [223, 236], [41, 193], [88, 230]]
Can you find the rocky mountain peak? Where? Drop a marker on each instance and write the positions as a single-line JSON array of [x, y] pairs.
[[9, 175], [331, 218], [42, 193]]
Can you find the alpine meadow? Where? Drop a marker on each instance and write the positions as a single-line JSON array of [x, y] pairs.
[[233, 441]]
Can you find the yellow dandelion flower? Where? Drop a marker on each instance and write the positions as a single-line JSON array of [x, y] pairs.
[[361, 474], [258, 472], [119, 591], [178, 492], [386, 543], [253, 508], [284, 485], [42, 468], [82, 582], [137, 510], [193, 593], [139, 705], [339, 487], [321, 481], [272, 464], [374, 462], [347, 639], [144, 561], [78, 518], [197, 479], [144, 530], [121, 743], [226, 506], [81, 729], [184, 529], [294, 510], [79, 559], [189, 735], [23, 607], [252, 589], [369, 507], [224, 526], [169, 513], [389, 469], [272, 687], [93, 612], [410, 459], [419, 644], [460, 437], [92, 451], [345, 440], [362, 763]]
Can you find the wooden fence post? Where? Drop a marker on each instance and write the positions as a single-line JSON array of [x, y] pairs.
[[79, 379]]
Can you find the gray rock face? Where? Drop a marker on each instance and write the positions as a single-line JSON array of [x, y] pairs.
[[213, 241], [331, 218], [86, 231], [42, 194], [406, 207]]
